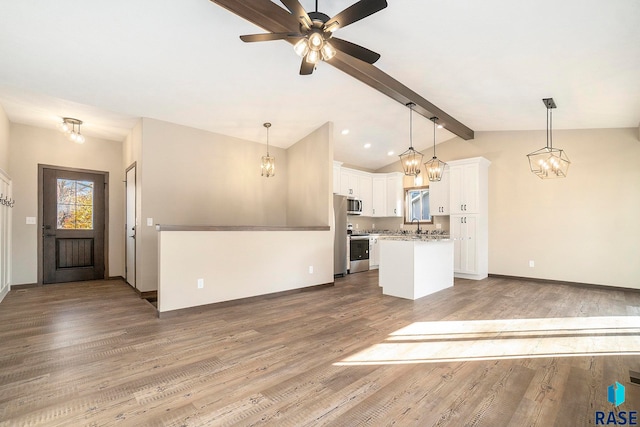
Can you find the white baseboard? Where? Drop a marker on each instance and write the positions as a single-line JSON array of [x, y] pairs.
[[4, 292]]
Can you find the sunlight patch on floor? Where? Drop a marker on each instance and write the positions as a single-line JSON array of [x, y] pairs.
[[469, 340]]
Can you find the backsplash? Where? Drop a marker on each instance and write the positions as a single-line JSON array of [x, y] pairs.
[[363, 223]]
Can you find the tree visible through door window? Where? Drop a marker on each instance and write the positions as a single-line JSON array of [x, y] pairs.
[[75, 204]]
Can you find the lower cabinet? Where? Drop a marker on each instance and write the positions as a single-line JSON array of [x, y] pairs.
[[470, 257], [374, 252]]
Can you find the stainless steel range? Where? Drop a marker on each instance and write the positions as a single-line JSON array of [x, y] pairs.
[[358, 253]]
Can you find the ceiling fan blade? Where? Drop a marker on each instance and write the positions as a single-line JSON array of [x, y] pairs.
[[354, 13], [306, 68], [263, 13], [357, 51], [269, 36], [298, 11]]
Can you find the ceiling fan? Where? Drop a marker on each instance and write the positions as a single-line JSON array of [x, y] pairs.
[[354, 60], [314, 35]]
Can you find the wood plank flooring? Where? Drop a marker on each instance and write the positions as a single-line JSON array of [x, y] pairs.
[[497, 352]]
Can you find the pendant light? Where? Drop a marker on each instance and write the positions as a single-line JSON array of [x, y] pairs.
[[435, 167], [411, 159], [68, 127], [268, 164], [549, 162]]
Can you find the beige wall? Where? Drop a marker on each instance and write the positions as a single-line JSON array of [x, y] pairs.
[[580, 229], [310, 164], [30, 146], [275, 261], [194, 177], [4, 141]]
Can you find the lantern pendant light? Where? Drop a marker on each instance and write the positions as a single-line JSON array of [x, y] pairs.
[[268, 164], [411, 159], [435, 167], [549, 162]]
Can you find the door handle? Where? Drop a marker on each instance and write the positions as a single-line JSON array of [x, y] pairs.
[[49, 235]]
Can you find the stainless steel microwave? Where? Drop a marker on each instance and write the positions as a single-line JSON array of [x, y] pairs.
[[354, 206]]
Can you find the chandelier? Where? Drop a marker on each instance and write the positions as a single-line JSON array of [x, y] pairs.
[[435, 167], [411, 159], [549, 162], [68, 127], [268, 164]]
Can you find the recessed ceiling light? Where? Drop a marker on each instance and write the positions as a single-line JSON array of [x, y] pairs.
[[390, 153], [345, 131], [367, 145]]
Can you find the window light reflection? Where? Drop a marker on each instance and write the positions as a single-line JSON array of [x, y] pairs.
[[472, 340]]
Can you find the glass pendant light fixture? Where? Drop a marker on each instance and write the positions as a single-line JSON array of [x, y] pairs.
[[68, 127], [411, 159], [549, 162], [435, 167], [268, 164]]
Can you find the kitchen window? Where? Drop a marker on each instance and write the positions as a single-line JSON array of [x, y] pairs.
[[417, 205]]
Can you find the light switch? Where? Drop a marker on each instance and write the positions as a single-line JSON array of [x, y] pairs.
[[31, 220], [150, 222]]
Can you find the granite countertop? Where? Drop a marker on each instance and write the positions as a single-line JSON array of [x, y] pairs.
[[415, 237]]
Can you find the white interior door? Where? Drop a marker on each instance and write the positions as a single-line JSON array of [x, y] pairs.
[[131, 227]]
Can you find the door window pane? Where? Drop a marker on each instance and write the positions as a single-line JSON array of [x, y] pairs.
[[75, 204]]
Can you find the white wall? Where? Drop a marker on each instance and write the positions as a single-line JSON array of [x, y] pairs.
[[30, 146], [580, 229], [239, 264]]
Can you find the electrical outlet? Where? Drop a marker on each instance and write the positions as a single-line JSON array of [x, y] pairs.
[[150, 222], [373, 225], [357, 226], [200, 283], [438, 226], [311, 269], [531, 263]]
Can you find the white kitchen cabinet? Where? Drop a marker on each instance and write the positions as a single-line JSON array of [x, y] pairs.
[[349, 181], [379, 190], [374, 252], [468, 181], [469, 220], [395, 194], [465, 250], [439, 195], [365, 193]]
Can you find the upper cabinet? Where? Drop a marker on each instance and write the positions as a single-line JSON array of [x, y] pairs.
[[349, 181], [379, 190], [365, 193], [381, 193], [468, 184], [439, 195], [395, 194]]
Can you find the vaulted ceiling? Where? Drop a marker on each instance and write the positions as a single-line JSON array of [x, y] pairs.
[[487, 64]]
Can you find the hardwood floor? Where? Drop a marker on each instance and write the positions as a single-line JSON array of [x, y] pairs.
[[497, 352]]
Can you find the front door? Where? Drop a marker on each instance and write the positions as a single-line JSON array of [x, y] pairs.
[[73, 225]]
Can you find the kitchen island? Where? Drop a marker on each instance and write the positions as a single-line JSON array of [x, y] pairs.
[[413, 266]]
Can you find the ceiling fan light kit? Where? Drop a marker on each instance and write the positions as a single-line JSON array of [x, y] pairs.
[[549, 162]]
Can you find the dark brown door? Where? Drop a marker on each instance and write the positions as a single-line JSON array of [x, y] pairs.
[[73, 225]]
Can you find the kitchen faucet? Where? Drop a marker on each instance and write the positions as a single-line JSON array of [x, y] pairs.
[[416, 219]]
